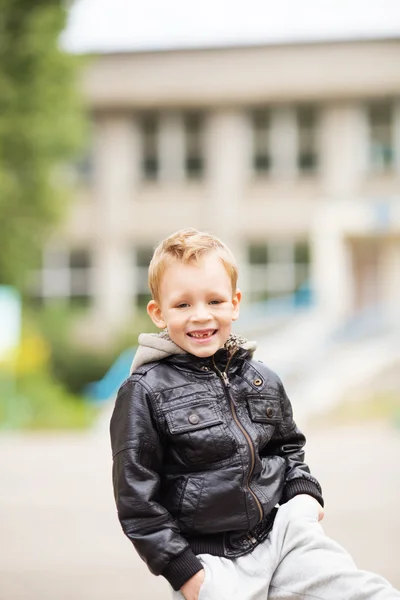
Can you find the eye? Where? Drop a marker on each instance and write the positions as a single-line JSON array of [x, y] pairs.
[[182, 305], [216, 302]]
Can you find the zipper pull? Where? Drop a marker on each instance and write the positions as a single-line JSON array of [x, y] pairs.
[[225, 379]]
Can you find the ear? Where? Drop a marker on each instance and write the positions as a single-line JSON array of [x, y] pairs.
[[236, 302], [155, 314]]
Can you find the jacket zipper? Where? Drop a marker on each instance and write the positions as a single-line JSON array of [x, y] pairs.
[[227, 385]]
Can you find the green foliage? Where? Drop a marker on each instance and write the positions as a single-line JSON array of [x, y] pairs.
[[366, 406], [75, 365], [40, 129], [38, 401]]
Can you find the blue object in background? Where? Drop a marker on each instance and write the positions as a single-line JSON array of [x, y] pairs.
[[106, 388], [10, 319], [303, 297], [381, 216]]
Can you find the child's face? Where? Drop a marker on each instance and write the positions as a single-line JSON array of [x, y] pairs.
[[197, 305]]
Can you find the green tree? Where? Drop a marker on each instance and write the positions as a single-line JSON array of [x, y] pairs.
[[41, 128]]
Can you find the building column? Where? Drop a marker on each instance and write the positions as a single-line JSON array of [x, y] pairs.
[[116, 162], [171, 148], [284, 142], [114, 284], [331, 269], [344, 146], [228, 144], [390, 280]]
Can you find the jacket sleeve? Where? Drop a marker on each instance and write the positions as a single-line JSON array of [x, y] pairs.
[[137, 464], [288, 441]]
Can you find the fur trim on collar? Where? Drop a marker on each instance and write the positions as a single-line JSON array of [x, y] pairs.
[[156, 346]]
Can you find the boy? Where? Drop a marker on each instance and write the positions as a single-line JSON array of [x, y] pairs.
[[205, 448]]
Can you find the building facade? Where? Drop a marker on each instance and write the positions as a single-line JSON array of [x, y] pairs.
[[289, 153]]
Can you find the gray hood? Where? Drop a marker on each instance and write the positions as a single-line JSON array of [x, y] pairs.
[[156, 346]]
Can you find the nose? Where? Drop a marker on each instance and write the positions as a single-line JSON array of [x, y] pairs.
[[201, 314]]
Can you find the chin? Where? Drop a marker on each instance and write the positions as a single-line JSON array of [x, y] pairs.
[[205, 352]]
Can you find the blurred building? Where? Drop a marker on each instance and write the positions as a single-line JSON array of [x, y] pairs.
[[289, 153]]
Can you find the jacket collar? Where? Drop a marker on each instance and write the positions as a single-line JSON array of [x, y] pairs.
[[221, 360], [159, 346]]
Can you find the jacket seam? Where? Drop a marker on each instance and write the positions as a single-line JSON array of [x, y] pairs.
[[125, 447], [154, 405]]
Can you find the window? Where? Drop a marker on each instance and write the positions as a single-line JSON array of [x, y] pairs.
[[302, 263], [143, 256], [150, 161], [381, 127], [277, 269], [194, 146], [172, 145], [66, 275], [83, 168], [261, 141], [80, 268], [258, 254], [307, 153]]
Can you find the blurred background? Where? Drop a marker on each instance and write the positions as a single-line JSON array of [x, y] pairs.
[[275, 126]]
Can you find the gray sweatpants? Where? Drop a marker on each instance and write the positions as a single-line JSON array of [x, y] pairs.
[[296, 562]]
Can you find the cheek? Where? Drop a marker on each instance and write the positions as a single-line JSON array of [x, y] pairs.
[[226, 320], [175, 325]]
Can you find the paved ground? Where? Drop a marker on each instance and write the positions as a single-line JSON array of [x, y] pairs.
[[60, 539]]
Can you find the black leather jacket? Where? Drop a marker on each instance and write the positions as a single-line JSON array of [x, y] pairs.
[[202, 452]]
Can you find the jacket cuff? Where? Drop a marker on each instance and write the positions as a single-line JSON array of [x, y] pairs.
[[297, 486], [182, 568]]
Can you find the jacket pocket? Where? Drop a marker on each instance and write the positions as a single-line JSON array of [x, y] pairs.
[[192, 417], [198, 433], [265, 409], [190, 502]]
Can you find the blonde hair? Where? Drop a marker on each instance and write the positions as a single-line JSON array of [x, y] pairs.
[[188, 245]]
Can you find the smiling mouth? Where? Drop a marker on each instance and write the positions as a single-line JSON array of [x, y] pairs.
[[202, 335]]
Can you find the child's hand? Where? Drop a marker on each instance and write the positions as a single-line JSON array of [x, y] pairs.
[[191, 588], [321, 512]]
